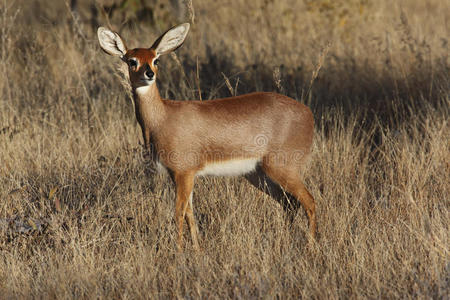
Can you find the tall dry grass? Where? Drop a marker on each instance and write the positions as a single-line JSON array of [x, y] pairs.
[[70, 154]]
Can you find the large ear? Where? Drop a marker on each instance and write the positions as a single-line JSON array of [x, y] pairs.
[[111, 42], [171, 39]]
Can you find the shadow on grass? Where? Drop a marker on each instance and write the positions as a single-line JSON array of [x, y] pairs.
[[353, 89]]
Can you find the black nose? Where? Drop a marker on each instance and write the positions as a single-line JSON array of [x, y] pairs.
[[149, 73]]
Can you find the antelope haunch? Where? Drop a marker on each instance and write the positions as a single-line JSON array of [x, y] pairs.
[[229, 136]]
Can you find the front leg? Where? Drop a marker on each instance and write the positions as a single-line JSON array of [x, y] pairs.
[[184, 185], [149, 153], [147, 144]]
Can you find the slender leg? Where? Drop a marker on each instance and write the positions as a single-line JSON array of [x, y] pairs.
[[184, 184], [267, 185], [307, 201], [291, 181], [192, 224]]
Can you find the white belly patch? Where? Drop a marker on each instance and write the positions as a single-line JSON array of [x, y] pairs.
[[160, 168], [230, 167]]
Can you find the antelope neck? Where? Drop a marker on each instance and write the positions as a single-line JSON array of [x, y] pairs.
[[149, 106]]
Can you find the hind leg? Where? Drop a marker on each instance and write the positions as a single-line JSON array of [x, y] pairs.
[[288, 177], [265, 184]]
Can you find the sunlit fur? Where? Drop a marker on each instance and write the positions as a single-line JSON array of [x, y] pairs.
[[229, 136]]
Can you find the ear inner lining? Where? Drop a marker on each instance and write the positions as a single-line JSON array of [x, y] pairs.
[[171, 40], [111, 42]]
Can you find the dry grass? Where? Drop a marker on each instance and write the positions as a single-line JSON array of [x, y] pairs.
[[379, 172]]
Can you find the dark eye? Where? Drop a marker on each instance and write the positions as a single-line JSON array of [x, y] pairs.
[[156, 62], [132, 63]]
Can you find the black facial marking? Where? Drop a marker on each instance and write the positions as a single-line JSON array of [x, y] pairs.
[[132, 63]]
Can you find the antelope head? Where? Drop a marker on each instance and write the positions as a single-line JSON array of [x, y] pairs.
[[142, 62]]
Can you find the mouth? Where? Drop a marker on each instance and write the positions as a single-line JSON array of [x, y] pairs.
[[147, 81]]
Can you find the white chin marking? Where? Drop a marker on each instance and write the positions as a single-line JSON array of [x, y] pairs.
[[144, 89], [230, 167]]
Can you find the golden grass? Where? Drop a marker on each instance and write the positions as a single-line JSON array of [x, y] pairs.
[[379, 170]]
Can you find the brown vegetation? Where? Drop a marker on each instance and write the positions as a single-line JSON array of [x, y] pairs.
[[70, 153]]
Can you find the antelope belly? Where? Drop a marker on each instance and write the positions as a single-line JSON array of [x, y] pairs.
[[230, 167]]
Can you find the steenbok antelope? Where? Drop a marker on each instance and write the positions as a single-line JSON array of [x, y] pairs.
[[228, 136]]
